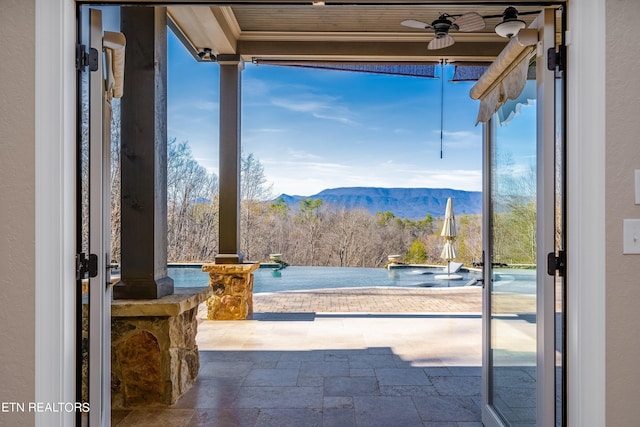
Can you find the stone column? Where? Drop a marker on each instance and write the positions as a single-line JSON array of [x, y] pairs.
[[232, 286], [144, 156], [229, 179], [154, 355]]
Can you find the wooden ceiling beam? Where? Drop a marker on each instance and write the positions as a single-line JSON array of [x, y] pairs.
[[211, 27], [367, 51]]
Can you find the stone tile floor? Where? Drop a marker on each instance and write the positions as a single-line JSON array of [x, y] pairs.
[[359, 357]]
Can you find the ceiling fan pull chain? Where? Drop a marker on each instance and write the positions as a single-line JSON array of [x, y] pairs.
[[441, 103]]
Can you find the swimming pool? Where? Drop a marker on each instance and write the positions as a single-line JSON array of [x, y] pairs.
[[305, 278]]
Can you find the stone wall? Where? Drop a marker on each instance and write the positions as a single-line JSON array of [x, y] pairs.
[[153, 359], [154, 356]]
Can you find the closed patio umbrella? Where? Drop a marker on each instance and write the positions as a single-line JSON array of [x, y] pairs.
[[448, 252], [449, 226], [449, 233]]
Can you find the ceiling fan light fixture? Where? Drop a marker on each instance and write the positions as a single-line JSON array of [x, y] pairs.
[[509, 28], [510, 25]]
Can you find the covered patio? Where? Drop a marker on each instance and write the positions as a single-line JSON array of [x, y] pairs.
[[300, 361], [353, 37]]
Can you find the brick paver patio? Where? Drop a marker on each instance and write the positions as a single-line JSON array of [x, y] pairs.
[[373, 300]]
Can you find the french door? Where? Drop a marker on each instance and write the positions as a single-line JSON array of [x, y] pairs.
[[523, 311], [93, 205]]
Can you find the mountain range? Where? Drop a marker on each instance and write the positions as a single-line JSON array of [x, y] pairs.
[[411, 203]]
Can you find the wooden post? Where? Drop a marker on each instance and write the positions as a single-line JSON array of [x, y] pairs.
[[144, 156]]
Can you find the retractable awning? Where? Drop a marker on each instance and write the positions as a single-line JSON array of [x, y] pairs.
[[393, 68], [506, 77]]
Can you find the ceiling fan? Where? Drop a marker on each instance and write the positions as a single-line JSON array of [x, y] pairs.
[[467, 22]]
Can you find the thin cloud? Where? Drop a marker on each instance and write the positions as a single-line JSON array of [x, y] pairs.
[[322, 107], [187, 106], [305, 167], [301, 105], [520, 169], [310, 177], [255, 87], [460, 134], [302, 155], [458, 139], [268, 130], [344, 120], [209, 163], [205, 105]]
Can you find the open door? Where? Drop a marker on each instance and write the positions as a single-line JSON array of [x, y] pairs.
[[95, 63], [523, 321]]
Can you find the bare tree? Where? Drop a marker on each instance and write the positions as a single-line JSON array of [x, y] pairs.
[[278, 220], [514, 217], [191, 206], [349, 235], [469, 240], [254, 190], [310, 219], [115, 180]]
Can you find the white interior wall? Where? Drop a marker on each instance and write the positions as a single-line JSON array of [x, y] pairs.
[[622, 154], [17, 207]]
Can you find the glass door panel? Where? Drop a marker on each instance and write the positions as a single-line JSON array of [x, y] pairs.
[[523, 313], [82, 242], [93, 205], [560, 227], [513, 266]]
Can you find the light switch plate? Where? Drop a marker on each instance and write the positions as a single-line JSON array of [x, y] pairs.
[[637, 186], [631, 236]]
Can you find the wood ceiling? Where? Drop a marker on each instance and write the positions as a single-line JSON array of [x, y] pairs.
[[339, 32]]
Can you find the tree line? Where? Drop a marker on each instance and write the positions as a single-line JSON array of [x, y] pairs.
[[312, 233]]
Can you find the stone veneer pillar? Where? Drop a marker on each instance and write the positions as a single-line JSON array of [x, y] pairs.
[[154, 356], [232, 287]]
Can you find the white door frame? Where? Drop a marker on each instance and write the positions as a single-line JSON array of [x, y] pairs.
[[55, 225], [586, 281], [545, 235], [99, 233], [55, 206], [546, 218]]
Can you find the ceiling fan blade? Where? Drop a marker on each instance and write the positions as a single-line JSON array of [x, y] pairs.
[[441, 43], [469, 22], [412, 23]]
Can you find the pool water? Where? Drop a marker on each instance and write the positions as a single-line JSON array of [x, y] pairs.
[[305, 278]]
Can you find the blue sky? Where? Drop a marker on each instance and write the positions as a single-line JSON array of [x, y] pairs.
[[317, 129]]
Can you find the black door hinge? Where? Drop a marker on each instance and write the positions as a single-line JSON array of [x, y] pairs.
[[84, 58], [556, 263], [86, 266], [556, 59]]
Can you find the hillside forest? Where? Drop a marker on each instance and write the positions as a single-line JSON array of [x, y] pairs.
[[313, 233]]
